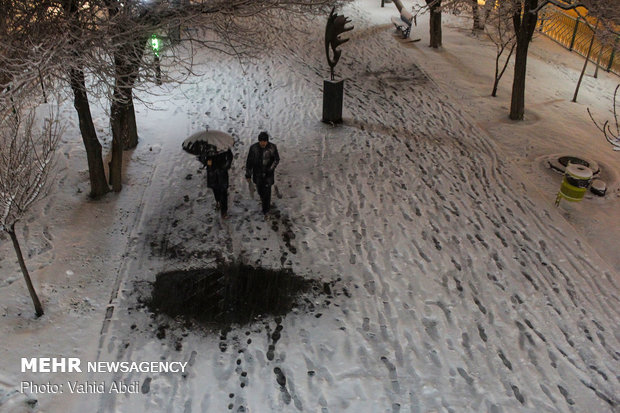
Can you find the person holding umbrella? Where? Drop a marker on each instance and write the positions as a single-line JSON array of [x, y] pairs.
[[212, 148], [263, 158], [217, 165]]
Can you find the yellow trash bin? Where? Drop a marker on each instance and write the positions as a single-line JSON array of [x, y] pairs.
[[576, 180]]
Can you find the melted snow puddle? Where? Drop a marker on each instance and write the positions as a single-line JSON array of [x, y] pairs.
[[231, 294]]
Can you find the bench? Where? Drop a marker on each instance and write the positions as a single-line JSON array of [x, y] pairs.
[[403, 23]]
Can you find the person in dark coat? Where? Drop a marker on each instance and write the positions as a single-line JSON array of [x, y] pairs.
[[218, 165], [263, 158]]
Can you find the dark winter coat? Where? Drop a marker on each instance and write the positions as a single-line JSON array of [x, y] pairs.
[[261, 163], [217, 173]]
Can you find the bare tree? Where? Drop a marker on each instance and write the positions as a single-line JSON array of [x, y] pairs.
[[26, 159], [524, 18], [585, 61], [45, 41], [605, 28], [499, 29], [611, 132], [80, 31], [22, 60]]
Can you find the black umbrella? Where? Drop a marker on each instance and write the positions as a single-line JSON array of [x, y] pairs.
[[214, 141]]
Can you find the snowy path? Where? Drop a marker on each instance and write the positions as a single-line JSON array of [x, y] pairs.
[[460, 290]]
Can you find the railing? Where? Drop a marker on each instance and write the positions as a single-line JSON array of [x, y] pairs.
[[574, 34]]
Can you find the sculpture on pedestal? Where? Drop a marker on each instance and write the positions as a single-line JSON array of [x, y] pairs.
[[333, 90], [334, 28]]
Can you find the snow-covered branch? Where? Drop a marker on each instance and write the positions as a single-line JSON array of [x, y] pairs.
[[26, 160]]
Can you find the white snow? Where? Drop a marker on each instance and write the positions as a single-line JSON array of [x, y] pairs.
[[461, 287]]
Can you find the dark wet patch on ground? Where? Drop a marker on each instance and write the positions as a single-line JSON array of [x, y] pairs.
[[229, 294]]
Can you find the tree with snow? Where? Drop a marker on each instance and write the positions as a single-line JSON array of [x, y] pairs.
[[605, 28], [46, 41], [26, 160], [498, 27], [79, 36]]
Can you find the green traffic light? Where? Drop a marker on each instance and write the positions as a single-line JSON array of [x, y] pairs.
[[155, 44]]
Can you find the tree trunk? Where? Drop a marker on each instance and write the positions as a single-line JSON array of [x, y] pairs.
[[98, 185], [38, 308], [524, 24], [130, 129], [499, 73], [127, 65], [475, 9], [495, 86], [117, 121], [598, 61], [122, 114], [42, 86], [124, 129], [129, 70], [435, 23], [96, 172], [517, 102], [585, 64]]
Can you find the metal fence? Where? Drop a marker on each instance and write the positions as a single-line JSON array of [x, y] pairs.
[[574, 34]]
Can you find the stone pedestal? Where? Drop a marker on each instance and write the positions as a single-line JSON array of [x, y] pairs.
[[333, 92]]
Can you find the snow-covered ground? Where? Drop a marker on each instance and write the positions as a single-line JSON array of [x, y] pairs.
[[456, 285]]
